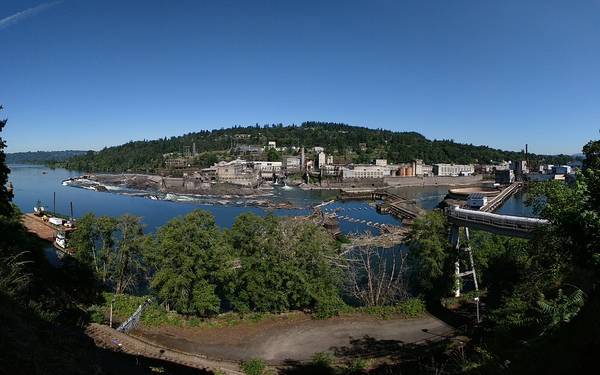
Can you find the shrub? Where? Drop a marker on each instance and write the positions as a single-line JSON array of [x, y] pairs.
[[328, 306], [411, 307], [254, 367], [356, 365], [322, 359]]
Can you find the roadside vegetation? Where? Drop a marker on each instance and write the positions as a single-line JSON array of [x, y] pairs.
[[262, 265]]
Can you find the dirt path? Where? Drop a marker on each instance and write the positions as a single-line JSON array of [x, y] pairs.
[[109, 338], [298, 337]]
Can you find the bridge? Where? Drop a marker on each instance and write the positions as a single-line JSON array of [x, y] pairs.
[[507, 225], [494, 203], [396, 205], [514, 226]]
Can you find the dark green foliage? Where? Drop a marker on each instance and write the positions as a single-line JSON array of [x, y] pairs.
[[41, 157], [285, 264], [430, 255], [339, 139], [273, 155], [254, 367], [5, 194], [189, 256], [112, 248]]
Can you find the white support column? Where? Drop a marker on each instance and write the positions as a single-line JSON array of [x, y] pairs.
[[457, 280]]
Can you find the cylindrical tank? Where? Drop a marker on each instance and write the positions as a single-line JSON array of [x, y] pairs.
[[409, 171], [402, 172]]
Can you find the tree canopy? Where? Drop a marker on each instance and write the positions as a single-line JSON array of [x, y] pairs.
[[351, 143]]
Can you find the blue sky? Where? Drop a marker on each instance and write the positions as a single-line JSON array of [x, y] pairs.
[[89, 74]]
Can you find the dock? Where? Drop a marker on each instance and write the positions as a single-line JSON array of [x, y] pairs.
[[35, 225], [43, 229]]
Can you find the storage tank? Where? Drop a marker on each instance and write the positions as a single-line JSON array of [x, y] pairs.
[[402, 172], [409, 171]]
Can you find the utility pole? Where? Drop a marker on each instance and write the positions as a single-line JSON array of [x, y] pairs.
[[54, 203], [111, 311]]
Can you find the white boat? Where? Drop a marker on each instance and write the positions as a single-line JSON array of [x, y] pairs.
[[61, 240]]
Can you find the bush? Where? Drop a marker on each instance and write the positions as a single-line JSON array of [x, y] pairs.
[[254, 367], [322, 359], [357, 365], [327, 307], [411, 307], [408, 308]]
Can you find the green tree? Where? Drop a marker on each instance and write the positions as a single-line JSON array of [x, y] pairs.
[[128, 267], [189, 257], [430, 253], [273, 155], [285, 264], [5, 194], [113, 248]]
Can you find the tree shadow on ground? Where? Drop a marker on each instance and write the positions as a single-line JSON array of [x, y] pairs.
[[393, 356]]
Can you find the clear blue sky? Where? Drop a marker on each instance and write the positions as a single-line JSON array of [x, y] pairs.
[[89, 74]]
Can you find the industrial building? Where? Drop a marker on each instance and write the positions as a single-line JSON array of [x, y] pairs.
[[476, 200], [505, 177], [453, 169], [364, 171]]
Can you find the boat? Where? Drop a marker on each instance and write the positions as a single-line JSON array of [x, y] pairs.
[[61, 240]]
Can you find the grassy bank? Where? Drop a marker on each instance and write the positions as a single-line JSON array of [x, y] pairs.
[[156, 315]]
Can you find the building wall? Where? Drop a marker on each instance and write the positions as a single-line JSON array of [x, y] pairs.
[[364, 171], [432, 180], [452, 169]]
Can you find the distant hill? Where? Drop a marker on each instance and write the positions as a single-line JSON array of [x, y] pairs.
[[353, 143], [41, 157]]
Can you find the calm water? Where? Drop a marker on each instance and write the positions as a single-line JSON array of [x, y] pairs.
[[33, 183]]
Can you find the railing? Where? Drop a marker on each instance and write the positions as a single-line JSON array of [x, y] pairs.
[[497, 201], [134, 319]]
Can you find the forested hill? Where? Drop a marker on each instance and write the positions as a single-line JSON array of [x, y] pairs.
[[41, 157], [338, 139]]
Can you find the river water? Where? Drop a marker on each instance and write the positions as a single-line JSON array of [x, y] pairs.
[[33, 182]]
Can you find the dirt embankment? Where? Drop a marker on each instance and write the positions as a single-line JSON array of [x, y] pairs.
[[297, 337]]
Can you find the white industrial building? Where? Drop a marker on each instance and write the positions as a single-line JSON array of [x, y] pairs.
[[364, 171], [561, 169], [453, 169]]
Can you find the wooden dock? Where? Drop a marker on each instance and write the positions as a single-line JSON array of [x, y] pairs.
[[45, 230], [35, 225]]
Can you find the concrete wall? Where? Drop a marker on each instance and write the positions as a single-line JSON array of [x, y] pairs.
[[353, 182], [432, 180]]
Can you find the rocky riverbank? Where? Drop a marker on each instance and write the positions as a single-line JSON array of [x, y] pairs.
[[178, 189]]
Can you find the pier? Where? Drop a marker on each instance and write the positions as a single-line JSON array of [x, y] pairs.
[[45, 230], [497, 201], [398, 206], [36, 226]]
